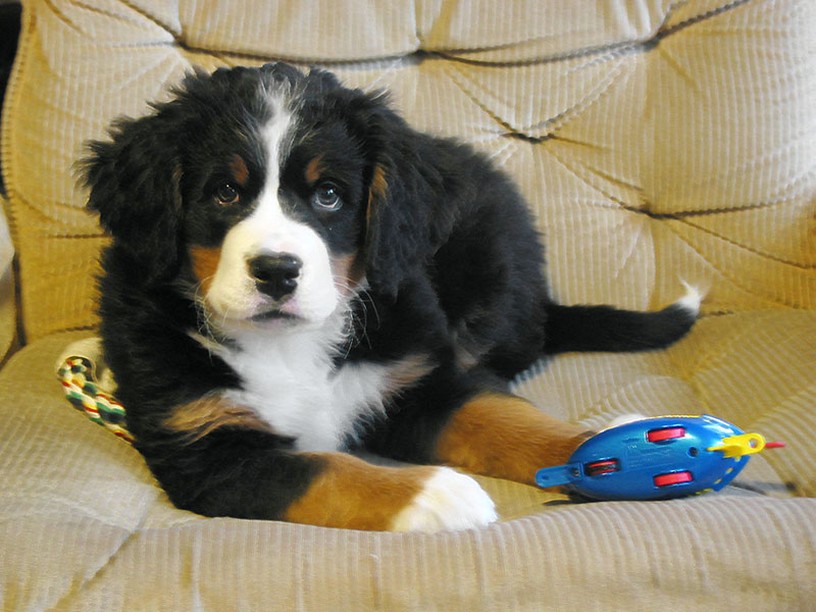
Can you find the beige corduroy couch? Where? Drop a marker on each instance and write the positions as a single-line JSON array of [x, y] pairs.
[[656, 140]]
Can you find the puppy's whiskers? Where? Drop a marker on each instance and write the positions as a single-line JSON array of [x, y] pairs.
[[356, 318], [204, 316]]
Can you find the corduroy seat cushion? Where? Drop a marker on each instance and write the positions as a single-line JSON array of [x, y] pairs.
[[85, 527]]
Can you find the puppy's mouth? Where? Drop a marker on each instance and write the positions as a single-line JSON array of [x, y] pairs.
[[275, 315], [262, 316]]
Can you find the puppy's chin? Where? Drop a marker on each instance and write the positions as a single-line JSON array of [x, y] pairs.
[[264, 318]]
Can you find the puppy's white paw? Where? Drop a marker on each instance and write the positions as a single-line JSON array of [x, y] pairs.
[[449, 501]]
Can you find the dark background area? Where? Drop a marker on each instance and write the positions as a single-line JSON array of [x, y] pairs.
[[9, 35]]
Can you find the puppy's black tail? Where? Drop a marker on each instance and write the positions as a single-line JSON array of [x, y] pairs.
[[603, 328]]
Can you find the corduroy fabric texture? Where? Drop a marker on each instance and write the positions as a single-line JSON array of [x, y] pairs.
[[656, 141], [653, 143], [84, 527]]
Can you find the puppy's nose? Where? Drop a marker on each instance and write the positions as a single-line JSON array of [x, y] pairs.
[[275, 274]]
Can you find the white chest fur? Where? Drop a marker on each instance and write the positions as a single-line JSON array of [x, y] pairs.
[[290, 380]]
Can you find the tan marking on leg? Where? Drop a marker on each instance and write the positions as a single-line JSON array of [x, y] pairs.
[[205, 263], [353, 494], [506, 437], [201, 417], [239, 170]]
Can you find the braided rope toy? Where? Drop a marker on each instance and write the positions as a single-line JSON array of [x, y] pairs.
[[79, 382]]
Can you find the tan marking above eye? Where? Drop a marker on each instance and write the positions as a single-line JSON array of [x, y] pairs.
[[313, 170], [239, 170]]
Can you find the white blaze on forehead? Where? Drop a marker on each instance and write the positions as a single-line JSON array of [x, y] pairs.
[[276, 137], [267, 226]]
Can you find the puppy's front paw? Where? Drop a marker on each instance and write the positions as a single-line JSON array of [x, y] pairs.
[[449, 501]]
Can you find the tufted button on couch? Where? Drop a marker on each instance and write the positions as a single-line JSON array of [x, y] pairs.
[[656, 142]]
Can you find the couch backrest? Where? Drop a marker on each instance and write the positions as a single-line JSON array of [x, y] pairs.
[[655, 140]]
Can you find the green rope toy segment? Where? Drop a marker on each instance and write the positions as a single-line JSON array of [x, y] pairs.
[[81, 389]]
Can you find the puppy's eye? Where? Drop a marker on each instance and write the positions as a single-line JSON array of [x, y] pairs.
[[327, 198], [226, 195]]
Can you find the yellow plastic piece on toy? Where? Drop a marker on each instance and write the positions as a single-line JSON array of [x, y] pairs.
[[743, 444]]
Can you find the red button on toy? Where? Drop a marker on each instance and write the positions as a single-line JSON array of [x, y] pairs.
[[607, 466], [669, 433], [675, 478]]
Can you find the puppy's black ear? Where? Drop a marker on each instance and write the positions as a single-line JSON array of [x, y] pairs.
[[134, 187], [402, 224], [395, 240]]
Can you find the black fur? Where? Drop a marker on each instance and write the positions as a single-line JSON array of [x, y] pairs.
[[453, 263]]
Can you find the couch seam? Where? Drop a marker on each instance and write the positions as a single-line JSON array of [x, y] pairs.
[[604, 52], [75, 589]]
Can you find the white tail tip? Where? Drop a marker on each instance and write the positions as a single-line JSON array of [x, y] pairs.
[[693, 298]]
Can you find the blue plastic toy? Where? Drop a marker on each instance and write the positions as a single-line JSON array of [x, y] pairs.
[[657, 458]]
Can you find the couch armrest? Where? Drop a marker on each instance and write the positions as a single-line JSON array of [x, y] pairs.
[[8, 310]]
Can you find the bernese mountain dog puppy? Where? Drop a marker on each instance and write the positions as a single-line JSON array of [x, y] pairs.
[[295, 273]]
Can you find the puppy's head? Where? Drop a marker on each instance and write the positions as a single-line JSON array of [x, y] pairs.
[[270, 195]]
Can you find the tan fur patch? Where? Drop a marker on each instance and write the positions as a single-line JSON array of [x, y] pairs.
[[378, 189], [239, 170], [379, 184], [407, 372], [202, 417], [376, 193], [348, 270], [314, 169], [506, 437], [205, 263], [353, 494]]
